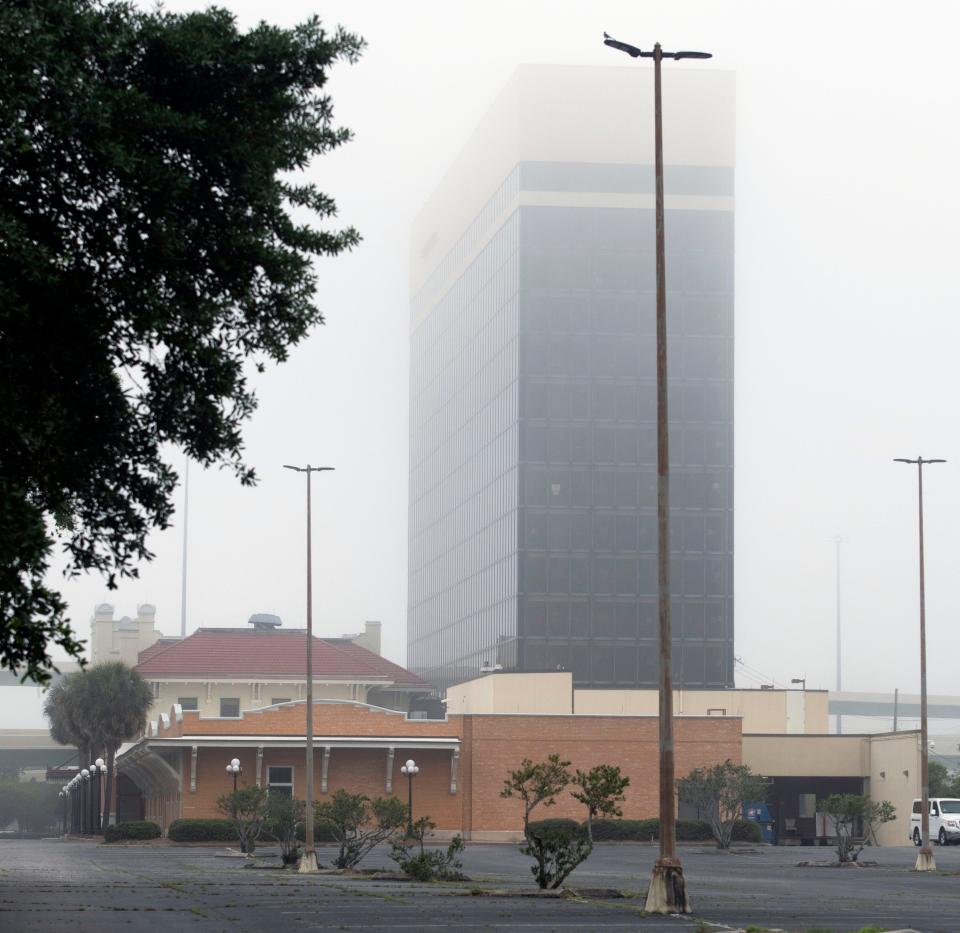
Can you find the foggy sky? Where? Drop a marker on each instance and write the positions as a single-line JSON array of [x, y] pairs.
[[847, 284]]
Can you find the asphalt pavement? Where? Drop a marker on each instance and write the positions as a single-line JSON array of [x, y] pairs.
[[81, 886]]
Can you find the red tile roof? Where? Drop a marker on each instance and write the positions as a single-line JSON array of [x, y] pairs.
[[243, 653]]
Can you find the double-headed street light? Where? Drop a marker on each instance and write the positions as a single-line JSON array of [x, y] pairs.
[[410, 769], [667, 891], [925, 861], [308, 861]]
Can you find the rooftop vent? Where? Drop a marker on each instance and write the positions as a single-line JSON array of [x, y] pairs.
[[264, 622]]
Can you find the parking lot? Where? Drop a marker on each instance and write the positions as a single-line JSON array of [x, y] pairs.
[[82, 886]]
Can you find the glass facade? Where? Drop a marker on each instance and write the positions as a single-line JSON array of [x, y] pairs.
[[533, 438]]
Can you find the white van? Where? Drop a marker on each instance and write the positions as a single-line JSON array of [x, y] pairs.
[[944, 821]]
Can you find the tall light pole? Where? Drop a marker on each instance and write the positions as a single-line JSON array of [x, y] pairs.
[[925, 860], [308, 861], [667, 892], [838, 541]]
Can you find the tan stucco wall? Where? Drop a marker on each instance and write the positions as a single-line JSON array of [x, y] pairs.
[[762, 711], [807, 755], [550, 693], [895, 776]]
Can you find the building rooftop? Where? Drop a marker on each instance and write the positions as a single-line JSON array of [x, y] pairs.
[[242, 653]]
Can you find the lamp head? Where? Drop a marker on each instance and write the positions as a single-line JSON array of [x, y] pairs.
[[235, 762], [85, 774]]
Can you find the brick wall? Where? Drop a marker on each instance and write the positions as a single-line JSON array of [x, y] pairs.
[[491, 746]]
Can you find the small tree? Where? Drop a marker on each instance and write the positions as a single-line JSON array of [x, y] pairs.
[[247, 807], [557, 852], [537, 783], [359, 823], [719, 793], [938, 780], [601, 789], [421, 864], [856, 818], [284, 819]]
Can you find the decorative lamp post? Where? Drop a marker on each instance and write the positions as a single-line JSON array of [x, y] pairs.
[[667, 891], [101, 769], [77, 805], [925, 860], [410, 769], [85, 802], [234, 769]]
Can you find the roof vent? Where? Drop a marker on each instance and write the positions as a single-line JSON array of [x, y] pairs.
[[264, 622]]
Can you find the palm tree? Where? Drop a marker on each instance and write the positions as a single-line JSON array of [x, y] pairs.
[[62, 707], [116, 702], [98, 710]]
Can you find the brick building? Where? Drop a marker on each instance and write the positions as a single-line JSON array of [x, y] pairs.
[[178, 768]]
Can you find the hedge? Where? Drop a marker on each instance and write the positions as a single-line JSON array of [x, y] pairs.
[[202, 831], [136, 829], [555, 825], [687, 830]]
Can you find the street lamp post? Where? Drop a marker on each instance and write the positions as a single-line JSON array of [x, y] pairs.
[[667, 891], [97, 769], [63, 819], [800, 680], [410, 769], [85, 805], [308, 861], [925, 861], [234, 769]]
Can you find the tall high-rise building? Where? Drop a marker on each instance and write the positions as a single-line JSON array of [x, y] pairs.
[[532, 525]]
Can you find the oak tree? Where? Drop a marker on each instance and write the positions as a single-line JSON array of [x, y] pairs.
[[156, 246]]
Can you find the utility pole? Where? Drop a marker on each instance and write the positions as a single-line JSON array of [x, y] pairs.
[[667, 891], [838, 541], [925, 860], [308, 861]]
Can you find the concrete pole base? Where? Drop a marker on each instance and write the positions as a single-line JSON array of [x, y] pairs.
[[308, 863], [925, 861], [667, 893]]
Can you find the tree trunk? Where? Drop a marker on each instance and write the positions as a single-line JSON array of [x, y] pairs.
[[108, 791]]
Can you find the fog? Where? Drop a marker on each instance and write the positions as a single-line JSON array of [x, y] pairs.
[[847, 199]]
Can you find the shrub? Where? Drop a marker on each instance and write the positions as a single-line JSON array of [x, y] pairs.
[[557, 850], [557, 823], [423, 865], [687, 831], [359, 823], [202, 831], [247, 809], [33, 804], [284, 817], [626, 830], [747, 831], [136, 829]]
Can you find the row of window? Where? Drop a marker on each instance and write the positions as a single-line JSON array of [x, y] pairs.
[[229, 706], [623, 400], [606, 575], [560, 487], [598, 530], [550, 311], [610, 356], [621, 444], [614, 663], [697, 619]]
